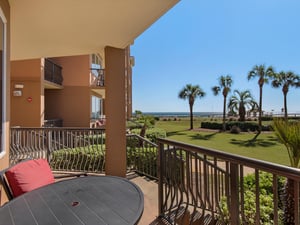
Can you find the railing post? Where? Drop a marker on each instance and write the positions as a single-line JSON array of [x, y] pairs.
[[160, 166], [49, 138], [234, 194]]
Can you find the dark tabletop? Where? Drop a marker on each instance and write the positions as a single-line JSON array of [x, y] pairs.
[[86, 200]]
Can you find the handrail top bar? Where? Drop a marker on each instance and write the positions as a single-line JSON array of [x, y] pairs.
[[274, 168], [56, 128]]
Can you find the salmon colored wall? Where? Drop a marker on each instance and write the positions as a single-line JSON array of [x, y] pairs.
[[76, 70], [24, 112], [4, 157], [73, 103]]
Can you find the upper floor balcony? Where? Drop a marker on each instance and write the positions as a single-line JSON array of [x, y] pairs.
[[53, 73], [97, 78]]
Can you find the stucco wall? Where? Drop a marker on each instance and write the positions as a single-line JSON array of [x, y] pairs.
[[71, 104], [27, 109]]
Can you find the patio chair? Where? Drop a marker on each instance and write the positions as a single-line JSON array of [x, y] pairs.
[[25, 176]]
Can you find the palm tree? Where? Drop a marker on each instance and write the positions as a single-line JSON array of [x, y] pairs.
[[240, 101], [191, 92], [285, 80], [225, 83], [289, 134], [263, 75]]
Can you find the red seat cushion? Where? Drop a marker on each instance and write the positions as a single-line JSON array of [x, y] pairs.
[[29, 175]]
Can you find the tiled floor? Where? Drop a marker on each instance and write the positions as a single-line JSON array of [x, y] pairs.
[[150, 190]]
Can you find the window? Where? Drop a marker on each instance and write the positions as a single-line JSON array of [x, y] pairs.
[[2, 81], [96, 108], [96, 64]]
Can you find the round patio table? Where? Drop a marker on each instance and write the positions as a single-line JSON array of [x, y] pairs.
[[87, 200]]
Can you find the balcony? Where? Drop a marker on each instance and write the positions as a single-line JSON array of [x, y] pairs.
[[182, 184], [97, 82], [53, 73], [97, 78]]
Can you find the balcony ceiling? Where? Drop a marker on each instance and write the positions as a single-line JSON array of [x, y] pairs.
[[72, 27]]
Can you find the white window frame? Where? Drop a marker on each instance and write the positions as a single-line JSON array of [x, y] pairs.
[[4, 88]]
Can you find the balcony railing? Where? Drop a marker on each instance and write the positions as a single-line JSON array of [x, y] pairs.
[[53, 72], [196, 185], [204, 186], [99, 79], [79, 150], [141, 156], [67, 149]]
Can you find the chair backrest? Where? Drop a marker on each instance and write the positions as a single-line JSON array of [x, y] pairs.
[[25, 176], [5, 185]]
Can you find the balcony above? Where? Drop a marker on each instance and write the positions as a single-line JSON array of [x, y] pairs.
[[97, 82], [52, 75]]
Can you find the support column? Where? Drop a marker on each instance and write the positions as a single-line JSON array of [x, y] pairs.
[[115, 143]]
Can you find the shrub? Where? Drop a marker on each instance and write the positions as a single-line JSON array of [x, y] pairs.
[[265, 200], [90, 158], [152, 134], [244, 126], [211, 125], [235, 130]]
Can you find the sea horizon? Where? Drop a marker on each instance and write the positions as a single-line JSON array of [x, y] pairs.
[[208, 114], [183, 114]]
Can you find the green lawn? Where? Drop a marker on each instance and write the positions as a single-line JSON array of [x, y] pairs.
[[265, 148]]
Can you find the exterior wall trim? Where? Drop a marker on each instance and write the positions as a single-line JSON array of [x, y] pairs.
[[4, 88]]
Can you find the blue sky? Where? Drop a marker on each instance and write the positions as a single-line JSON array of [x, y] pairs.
[[197, 41]]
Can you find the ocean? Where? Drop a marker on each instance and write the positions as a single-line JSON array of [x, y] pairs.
[[184, 114]]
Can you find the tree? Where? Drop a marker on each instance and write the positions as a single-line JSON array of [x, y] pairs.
[[263, 75], [145, 121], [285, 80], [191, 92], [225, 83], [288, 133], [240, 101]]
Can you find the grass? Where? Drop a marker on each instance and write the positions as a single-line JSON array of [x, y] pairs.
[[266, 147]]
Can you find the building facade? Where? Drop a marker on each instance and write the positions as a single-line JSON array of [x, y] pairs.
[[32, 31]]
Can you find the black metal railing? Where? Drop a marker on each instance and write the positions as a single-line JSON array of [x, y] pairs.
[[196, 185], [53, 123], [53, 72], [67, 149], [205, 186], [79, 149], [141, 156]]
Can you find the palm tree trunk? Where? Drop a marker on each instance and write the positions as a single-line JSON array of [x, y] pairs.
[[259, 114], [142, 134], [224, 114], [191, 117], [288, 203], [285, 107], [260, 109]]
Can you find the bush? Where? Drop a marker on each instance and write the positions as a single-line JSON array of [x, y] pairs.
[[90, 159], [211, 125], [265, 199], [152, 133], [235, 130], [142, 161], [244, 126]]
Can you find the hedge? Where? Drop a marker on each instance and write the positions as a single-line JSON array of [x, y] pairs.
[[244, 126]]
